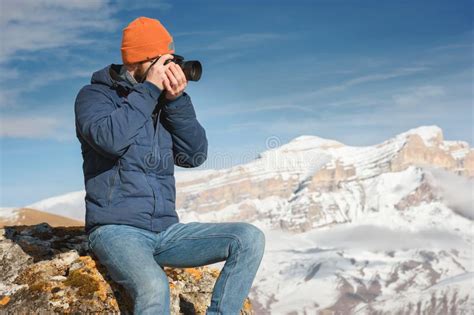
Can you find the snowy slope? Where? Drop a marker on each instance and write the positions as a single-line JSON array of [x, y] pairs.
[[8, 213], [70, 205]]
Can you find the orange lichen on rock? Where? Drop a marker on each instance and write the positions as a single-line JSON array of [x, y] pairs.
[[4, 300], [91, 267], [35, 278], [215, 272], [194, 272], [247, 305], [90, 282], [87, 279]]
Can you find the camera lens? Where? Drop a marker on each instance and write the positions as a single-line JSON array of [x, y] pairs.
[[192, 69]]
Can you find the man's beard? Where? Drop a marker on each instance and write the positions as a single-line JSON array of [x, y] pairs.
[[138, 75]]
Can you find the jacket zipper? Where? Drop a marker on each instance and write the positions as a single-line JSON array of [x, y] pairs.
[[154, 202], [156, 138], [156, 135], [159, 153]]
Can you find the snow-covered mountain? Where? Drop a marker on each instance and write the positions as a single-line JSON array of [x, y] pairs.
[[379, 229], [312, 182]]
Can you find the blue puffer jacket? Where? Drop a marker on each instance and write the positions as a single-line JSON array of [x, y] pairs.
[[129, 158]]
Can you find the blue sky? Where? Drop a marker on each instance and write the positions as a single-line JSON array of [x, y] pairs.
[[355, 71]]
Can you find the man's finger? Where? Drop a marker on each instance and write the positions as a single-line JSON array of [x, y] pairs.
[[182, 75], [163, 59], [166, 67], [166, 84], [171, 77], [178, 73]]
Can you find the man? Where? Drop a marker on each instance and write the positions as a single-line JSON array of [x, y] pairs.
[[130, 143]]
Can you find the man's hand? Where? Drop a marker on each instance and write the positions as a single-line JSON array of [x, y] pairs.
[[175, 81], [157, 74]]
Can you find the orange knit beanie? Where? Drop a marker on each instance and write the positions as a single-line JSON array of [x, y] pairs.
[[145, 39]]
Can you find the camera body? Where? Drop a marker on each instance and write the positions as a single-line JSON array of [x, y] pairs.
[[191, 68]]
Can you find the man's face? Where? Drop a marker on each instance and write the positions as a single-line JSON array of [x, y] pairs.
[[140, 70]]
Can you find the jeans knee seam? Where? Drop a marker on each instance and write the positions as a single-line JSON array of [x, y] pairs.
[[207, 236]]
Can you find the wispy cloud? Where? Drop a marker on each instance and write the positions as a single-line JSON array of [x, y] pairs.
[[221, 58], [375, 77], [242, 41], [457, 191], [10, 96], [355, 117], [142, 4], [195, 33], [305, 101], [29, 26], [373, 237], [34, 127], [452, 46], [419, 95]]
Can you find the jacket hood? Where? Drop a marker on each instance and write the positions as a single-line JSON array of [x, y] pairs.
[[109, 76]]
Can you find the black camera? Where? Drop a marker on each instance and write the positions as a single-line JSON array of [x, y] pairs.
[[192, 68]]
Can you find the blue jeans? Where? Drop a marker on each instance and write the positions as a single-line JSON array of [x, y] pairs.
[[135, 257]]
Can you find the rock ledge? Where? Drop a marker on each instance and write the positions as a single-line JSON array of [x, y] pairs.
[[46, 269]]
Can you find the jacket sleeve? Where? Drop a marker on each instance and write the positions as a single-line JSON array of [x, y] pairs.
[[188, 135], [109, 129]]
